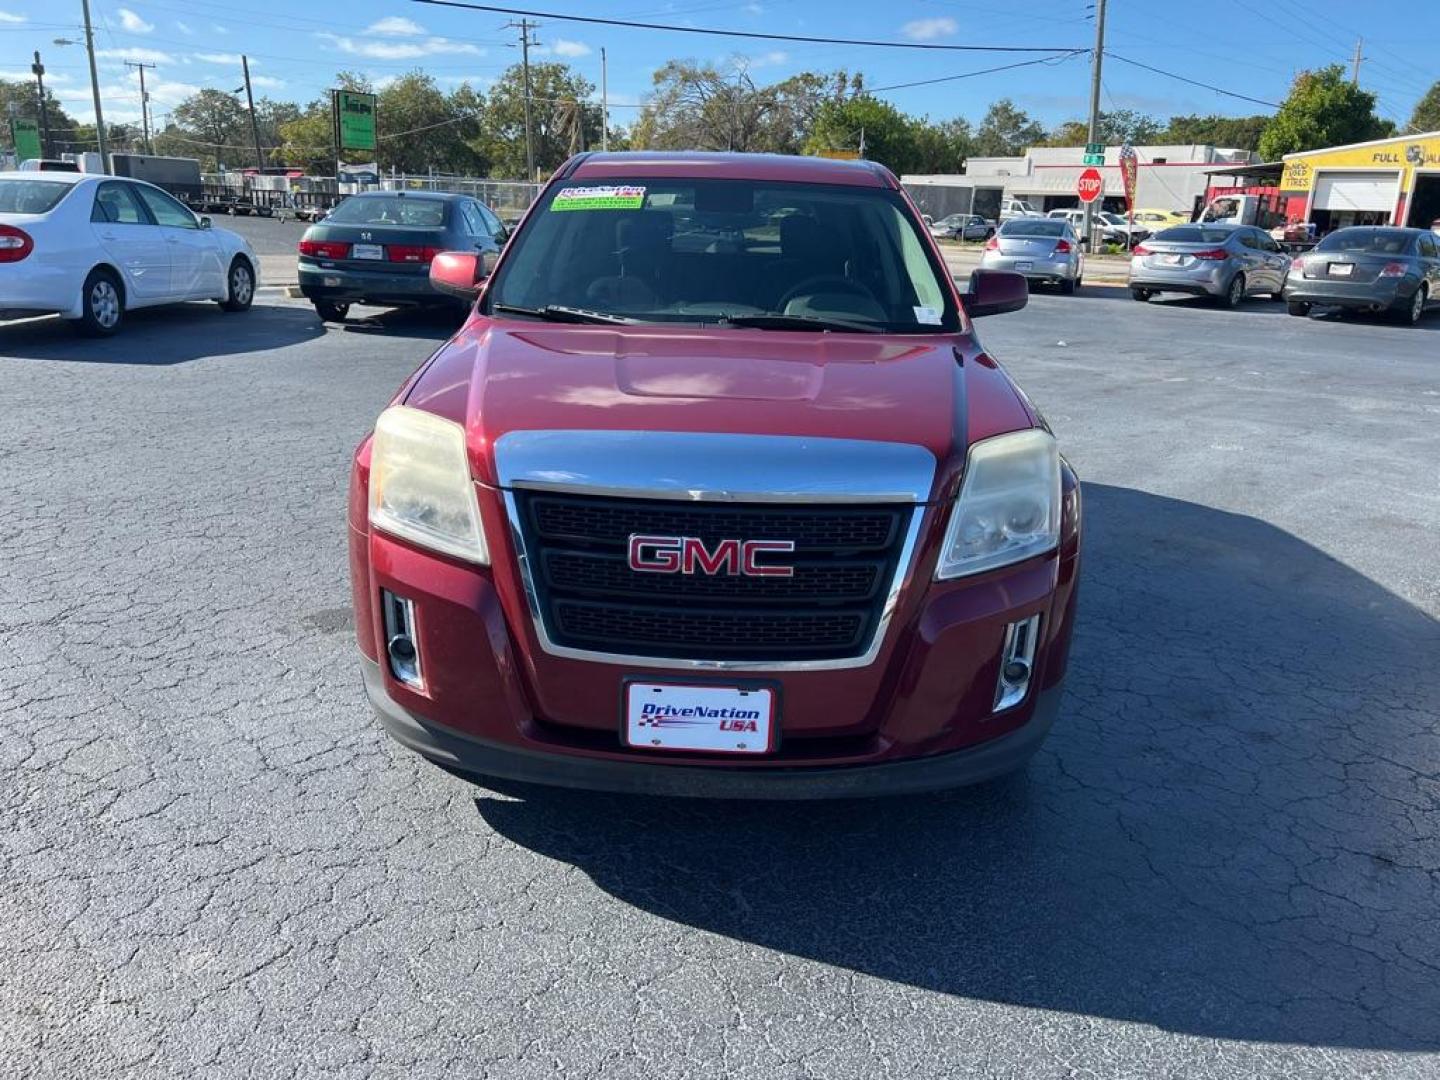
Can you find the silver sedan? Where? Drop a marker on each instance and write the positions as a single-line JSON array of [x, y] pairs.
[[1043, 249], [1224, 262]]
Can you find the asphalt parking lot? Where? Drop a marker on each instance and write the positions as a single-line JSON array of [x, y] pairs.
[[1225, 862]]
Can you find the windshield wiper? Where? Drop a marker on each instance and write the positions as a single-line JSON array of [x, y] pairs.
[[775, 321], [561, 313]]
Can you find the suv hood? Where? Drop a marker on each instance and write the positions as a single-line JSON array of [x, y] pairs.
[[502, 377]]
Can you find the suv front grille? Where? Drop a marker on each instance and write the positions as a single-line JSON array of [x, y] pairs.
[[844, 561]]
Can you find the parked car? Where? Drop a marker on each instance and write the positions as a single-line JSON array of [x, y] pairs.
[[1369, 268], [376, 248], [1013, 208], [1113, 228], [963, 227], [1224, 262], [91, 248], [728, 519], [1155, 220], [1045, 250]]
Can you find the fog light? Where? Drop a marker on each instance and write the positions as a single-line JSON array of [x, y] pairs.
[[401, 646], [1017, 662]]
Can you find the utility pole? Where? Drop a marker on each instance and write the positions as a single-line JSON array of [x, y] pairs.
[[254, 127], [525, 26], [1094, 135], [1355, 62], [144, 102], [862, 142], [39, 69], [95, 90], [604, 102]]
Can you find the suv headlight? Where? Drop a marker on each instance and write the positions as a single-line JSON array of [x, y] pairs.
[[1009, 505], [420, 486]]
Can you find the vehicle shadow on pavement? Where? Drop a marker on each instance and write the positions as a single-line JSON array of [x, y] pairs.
[[162, 336], [1232, 831], [436, 324]]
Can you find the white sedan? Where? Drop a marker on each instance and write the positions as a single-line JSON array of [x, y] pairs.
[[91, 248]]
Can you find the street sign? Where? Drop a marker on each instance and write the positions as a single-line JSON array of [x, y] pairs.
[[354, 120], [1090, 185], [25, 135], [1094, 159], [1095, 148]]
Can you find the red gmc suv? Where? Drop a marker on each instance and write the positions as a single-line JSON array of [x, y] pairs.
[[716, 493]]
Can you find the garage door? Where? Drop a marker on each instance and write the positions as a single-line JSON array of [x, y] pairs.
[[1357, 191]]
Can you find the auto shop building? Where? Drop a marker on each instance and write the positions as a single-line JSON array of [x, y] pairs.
[[1385, 182]]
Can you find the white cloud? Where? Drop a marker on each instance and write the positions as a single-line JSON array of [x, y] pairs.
[[755, 9], [184, 28], [149, 56], [6, 17], [396, 25], [25, 76], [769, 59], [572, 49], [216, 28], [229, 59], [267, 82], [134, 23], [929, 29], [400, 50]]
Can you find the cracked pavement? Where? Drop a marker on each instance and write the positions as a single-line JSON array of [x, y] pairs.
[[1224, 863]]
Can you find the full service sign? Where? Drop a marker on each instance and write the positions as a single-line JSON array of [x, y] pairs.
[[354, 120], [1404, 155]]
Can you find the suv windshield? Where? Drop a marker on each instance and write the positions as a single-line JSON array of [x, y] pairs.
[[31, 196], [785, 256], [1033, 227], [388, 210], [1375, 241]]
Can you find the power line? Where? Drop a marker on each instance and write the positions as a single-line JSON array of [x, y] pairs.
[[971, 74], [750, 34], [1192, 82]]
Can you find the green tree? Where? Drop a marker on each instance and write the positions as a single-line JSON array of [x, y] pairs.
[[560, 118], [216, 120], [1426, 116], [1006, 131], [1236, 132], [889, 135], [941, 148], [1113, 129], [421, 128], [18, 98], [1324, 109]]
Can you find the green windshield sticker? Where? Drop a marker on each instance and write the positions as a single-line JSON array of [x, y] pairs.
[[626, 197]]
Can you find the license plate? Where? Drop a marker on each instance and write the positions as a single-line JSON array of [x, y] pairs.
[[367, 251], [332, 282], [1341, 269], [1170, 260], [1023, 266], [717, 719]]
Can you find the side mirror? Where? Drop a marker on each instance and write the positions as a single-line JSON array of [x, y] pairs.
[[460, 273], [205, 222], [994, 292]]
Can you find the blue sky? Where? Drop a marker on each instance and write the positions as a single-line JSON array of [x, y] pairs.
[[1250, 46]]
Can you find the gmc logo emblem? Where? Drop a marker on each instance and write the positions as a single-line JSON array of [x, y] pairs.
[[689, 555]]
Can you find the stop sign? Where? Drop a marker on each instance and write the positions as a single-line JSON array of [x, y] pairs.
[[1090, 185]]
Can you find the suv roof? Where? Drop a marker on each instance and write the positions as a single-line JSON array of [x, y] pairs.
[[693, 164]]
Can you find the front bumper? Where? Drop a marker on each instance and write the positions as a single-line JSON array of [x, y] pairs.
[[471, 756], [344, 285]]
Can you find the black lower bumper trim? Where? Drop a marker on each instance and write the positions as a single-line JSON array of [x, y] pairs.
[[480, 758]]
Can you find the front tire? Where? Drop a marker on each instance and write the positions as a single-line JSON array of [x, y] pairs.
[[1140, 294], [330, 311], [102, 304], [241, 280], [1234, 293], [1297, 309]]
